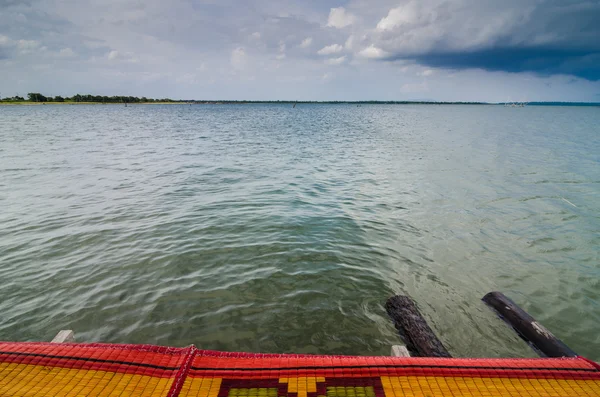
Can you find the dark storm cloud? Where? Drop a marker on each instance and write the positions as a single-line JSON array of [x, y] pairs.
[[545, 37], [580, 63], [22, 21]]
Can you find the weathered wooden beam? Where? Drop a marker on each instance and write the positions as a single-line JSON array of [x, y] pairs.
[[534, 333], [418, 336], [64, 336], [400, 351]]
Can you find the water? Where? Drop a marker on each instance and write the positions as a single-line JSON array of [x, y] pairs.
[[267, 228]]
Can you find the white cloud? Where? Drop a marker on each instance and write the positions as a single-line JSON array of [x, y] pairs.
[[405, 14], [349, 43], [93, 44], [306, 42], [255, 35], [330, 49], [238, 58], [27, 46], [327, 76], [187, 78], [281, 54], [427, 72], [115, 55], [340, 18], [373, 52], [418, 27], [66, 53], [336, 61], [414, 87], [4, 40]]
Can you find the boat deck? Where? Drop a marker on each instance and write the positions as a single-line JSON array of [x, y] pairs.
[[69, 369]]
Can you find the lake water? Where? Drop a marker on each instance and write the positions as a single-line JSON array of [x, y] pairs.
[[272, 229]]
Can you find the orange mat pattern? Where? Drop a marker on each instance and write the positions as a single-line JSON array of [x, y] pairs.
[[45, 369]]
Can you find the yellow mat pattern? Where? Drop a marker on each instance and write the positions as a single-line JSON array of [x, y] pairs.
[[44, 369]]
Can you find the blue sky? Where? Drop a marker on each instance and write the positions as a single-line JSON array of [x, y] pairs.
[[471, 50]]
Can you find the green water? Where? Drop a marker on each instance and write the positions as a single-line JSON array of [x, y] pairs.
[[267, 228]]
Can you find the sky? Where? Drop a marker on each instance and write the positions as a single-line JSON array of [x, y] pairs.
[[458, 50]]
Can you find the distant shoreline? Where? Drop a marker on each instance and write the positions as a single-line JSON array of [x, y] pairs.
[[212, 102], [28, 103]]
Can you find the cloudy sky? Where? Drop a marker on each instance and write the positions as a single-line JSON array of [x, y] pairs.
[[486, 50]]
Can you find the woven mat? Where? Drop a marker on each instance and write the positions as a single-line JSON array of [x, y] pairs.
[[44, 369]]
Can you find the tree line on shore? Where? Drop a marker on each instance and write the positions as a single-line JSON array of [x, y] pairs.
[[40, 98], [37, 97]]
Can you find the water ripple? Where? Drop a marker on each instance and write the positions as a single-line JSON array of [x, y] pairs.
[[267, 228]]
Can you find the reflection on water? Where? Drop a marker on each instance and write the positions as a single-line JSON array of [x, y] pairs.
[[267, 228]]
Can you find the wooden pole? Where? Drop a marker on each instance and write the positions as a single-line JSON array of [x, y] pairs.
[[534, 333], [418, 336], [64, 336], [400, 351]]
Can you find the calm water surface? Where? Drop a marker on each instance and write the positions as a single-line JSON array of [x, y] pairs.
[[267, 228]]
